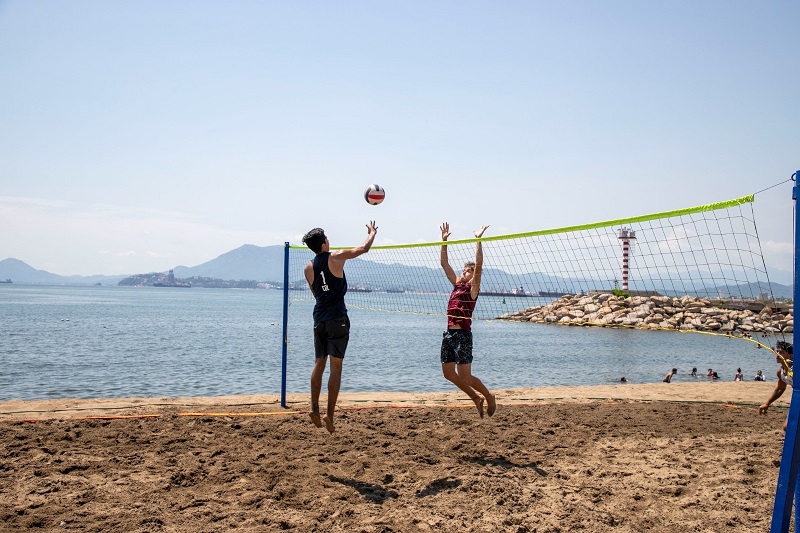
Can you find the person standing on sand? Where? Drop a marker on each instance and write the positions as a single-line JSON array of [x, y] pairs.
[[785, 377], [668, 377], [456, 353], [325, 276]]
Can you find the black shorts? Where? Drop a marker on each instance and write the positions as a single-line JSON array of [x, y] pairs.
[[457, 347], [331, 337]]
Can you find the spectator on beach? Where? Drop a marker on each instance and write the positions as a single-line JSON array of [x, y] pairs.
[[784, 358], [760, 376], [456, 351], [694, 372], [668, 377], [325, 276], [710, 373], [738, 376]]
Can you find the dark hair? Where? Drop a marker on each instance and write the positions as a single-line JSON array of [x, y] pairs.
[[783, 345], [314, 239]]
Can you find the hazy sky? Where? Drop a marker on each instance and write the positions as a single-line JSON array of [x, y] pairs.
[[136, 136]]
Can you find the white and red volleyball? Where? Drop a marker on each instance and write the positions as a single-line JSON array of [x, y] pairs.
[[374, 194]]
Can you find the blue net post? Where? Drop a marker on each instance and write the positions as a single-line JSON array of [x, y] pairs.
[[787, 476], [284, 348]]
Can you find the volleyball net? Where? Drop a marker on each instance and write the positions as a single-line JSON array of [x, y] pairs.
[[685, 262]]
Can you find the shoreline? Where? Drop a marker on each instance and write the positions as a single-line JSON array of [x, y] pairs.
[[739, 393]]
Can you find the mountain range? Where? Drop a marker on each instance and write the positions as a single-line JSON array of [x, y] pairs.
[[265, 264], [262, 263], [21, 272]]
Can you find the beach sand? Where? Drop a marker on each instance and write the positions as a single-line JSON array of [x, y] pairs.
[[623, 458]]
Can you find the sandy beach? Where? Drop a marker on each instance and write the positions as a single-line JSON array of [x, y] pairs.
[[621, 457]]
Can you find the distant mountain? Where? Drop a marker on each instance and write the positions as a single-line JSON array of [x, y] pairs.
[[247, 262], [260, 263], [20, 272]]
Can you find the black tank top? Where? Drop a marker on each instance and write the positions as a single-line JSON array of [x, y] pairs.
[[329, 290]]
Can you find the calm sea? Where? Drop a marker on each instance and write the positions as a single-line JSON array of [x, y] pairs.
[[107, 342]]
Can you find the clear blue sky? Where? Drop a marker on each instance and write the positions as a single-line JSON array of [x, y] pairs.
[[140, 135]]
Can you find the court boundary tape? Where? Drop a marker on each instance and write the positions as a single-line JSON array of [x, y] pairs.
[[525, 402]]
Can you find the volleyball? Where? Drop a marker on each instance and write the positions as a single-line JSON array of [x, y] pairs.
[[374, 194]]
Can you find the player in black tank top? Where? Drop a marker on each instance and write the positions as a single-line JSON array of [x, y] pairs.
[[328, 283], [328, 289]]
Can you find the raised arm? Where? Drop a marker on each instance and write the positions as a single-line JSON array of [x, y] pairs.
[[448, 270], [338, 257], [475, 286], [351, 253], [777, 393]]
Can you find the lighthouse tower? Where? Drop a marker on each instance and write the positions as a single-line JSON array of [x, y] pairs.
[[626, 235]]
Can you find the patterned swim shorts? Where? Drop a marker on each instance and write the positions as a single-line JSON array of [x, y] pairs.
[[457, 347]]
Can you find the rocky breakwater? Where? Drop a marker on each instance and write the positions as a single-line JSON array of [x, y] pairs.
[[733, 317]]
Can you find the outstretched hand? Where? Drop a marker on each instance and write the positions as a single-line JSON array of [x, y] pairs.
[[445, 227], [479, 232], [371, 227]]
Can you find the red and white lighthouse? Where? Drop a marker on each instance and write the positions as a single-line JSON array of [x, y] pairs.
[[626, 235]]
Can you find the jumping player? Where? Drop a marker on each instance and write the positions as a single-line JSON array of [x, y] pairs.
[[325, 276], [457, 340], [785, 375]]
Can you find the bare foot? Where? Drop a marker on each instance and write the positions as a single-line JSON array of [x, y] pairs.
[[315, 418], [492, 405], [479, 404], [328, 424]]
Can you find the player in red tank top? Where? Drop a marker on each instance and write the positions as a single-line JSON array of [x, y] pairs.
[[456, 353]]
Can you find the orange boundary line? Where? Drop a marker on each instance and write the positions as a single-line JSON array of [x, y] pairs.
[[288, 412], [264, 413], [115, 417], [233, 413]]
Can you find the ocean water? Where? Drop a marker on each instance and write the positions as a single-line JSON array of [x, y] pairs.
[[111, 342]]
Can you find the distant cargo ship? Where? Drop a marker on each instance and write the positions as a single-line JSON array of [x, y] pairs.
[[514, 292], [553, 293], [359, 288], [8, 280]]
